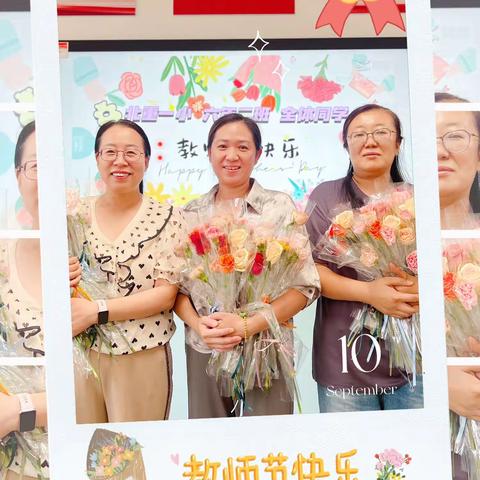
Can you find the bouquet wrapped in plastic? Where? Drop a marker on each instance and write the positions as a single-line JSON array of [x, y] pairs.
[[24, 453], [461, 284], [370, 239], [239, 263], [114, 456], [465, 439], [94, 285]]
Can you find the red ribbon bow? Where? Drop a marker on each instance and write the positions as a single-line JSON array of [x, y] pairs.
[[336, 12]]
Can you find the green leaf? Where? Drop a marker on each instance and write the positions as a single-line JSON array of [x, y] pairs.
[[116, 100], [179, 65], [194, 61], [263, 90], [278, 99], [167, 69], [182, 100]]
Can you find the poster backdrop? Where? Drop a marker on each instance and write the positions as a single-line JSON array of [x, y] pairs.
[[299, 98]]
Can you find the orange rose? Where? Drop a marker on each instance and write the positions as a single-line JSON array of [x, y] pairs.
[[226, 263]]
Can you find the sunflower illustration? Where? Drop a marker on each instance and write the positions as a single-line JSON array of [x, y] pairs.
[[209, 68]]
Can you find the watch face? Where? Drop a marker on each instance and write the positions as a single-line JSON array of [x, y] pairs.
[[27, 421]]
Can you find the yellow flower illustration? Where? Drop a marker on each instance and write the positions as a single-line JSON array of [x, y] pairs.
[[104, 112], [156, 192], [208, 68], [183, 195]]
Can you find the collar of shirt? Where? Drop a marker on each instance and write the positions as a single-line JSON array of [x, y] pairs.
[[255, 198]]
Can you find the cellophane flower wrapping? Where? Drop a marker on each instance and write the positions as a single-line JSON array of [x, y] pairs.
[[29, 449], [369, 239], [94, 285], [11, 344], [461, 285], [114, 456], [465, 440], [240, 262]]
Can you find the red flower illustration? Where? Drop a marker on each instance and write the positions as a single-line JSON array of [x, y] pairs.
[[319, 89], [198, 105], [176, 85], [253, 92], [131, 85], [269, 102], [258, 262]]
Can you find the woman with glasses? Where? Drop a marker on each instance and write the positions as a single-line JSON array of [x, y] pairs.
[[133, 237], [372, 137], [21, 317], [458, 156]]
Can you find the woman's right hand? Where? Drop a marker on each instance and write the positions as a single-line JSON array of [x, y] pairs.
[[215, 337], [382, 294], [74, 271], [464, 391]]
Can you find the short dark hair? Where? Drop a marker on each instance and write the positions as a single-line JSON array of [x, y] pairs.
[[124, 123], [26, 131], [474, 196], [236, 117], [395, 170]]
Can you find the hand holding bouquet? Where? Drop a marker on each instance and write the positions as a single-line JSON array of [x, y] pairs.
[[29, 449], [461, 285], [240, 264], [370, 239]]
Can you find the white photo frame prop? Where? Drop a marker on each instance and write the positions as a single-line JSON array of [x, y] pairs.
[[339, 439]]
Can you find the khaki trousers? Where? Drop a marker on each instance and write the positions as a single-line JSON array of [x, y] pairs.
[[130, 387], [15, 476], [205, 401]]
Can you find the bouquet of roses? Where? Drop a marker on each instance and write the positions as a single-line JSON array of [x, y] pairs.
[[114, 456], [94, 285], [370, 239], [26, 452], [240, 263], [465, 439], [461, 283]]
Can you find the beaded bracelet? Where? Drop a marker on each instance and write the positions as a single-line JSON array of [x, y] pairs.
[[244, 316]]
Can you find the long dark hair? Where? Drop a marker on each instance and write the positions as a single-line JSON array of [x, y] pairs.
[[474, 197], [395, 171], [27, 130], [129, 124], [236, 117]]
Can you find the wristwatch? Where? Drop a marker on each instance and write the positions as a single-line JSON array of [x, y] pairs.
[[102, 312], [28, 414]]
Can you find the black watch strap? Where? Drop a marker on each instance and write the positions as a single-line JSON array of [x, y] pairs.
[[28, 414], [102, 312]]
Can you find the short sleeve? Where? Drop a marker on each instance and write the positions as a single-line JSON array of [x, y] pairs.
[[306, 281], [168, 262]]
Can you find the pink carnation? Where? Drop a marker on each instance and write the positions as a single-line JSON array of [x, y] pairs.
[[465, 292], [381, 208], [319, 89], [391, 456], [212, 232], [368, 256], [412, 262], [455, 255], [388, 234]]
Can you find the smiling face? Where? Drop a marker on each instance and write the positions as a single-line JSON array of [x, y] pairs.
[[457, 169], [123, 174], [233, 155], [26, 177], [373, 157]]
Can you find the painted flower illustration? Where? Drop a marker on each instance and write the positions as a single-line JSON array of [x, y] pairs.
[[198, 105], [25, 96], [319, 89], [391, 464], [156, 192], [106, 112], [176, 85], [131, 85], [209, 68], [183, 195]]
